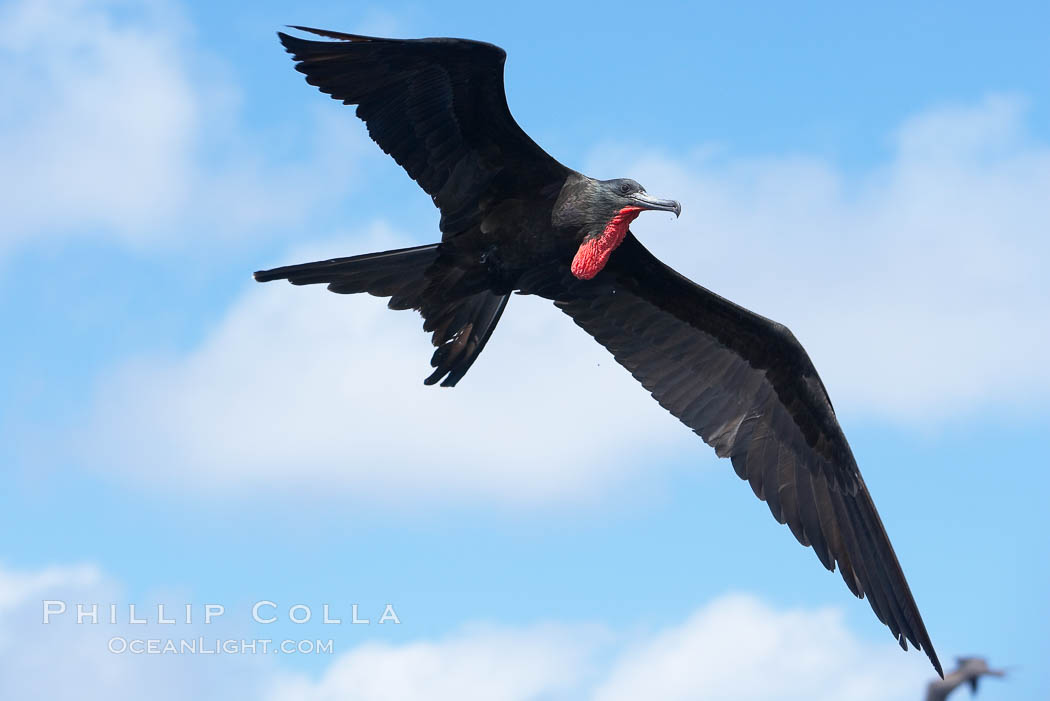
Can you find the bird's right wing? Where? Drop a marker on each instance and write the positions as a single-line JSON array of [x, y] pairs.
[[749, 390], [437, 106], [939, 689]]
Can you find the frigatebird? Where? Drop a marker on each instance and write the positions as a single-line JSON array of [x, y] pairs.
[[969, 671], [513, 219]]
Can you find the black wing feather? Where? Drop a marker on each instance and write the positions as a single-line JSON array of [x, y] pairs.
[[438, 107], [748, 389]]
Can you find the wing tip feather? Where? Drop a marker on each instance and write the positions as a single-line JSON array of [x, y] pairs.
[[330, 34]]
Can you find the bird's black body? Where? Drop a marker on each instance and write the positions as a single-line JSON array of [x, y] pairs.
[[514, 219]]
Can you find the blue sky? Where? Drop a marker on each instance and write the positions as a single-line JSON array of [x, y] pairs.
[[172, 432]]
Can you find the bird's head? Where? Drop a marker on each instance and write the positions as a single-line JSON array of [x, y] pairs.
[[612, 206], [613, 196]]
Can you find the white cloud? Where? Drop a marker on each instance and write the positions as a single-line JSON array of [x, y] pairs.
[[918, 288], [300, 388], [735, 647], [62, 660], [101, 120], [738, 647], [17, 587], [116, 126], [485, 663]]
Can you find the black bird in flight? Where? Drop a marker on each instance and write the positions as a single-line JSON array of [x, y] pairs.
[[513, 219]]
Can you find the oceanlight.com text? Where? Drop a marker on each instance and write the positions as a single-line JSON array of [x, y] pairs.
[[119, 645]]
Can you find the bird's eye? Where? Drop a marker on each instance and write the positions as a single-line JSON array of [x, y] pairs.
[[625, 188]]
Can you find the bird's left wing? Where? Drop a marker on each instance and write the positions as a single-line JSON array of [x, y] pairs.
[[748, 389], [437, 106]]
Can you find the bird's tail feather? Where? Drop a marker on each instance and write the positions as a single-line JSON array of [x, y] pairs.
[[461, 316], [399, 274], [461, 330]]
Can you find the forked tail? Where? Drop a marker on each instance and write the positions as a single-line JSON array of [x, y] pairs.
[[461, 317]]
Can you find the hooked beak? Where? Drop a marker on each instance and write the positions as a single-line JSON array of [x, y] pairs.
[[646, 201]]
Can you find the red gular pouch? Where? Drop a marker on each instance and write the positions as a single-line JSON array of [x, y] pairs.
[[595, 251]]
